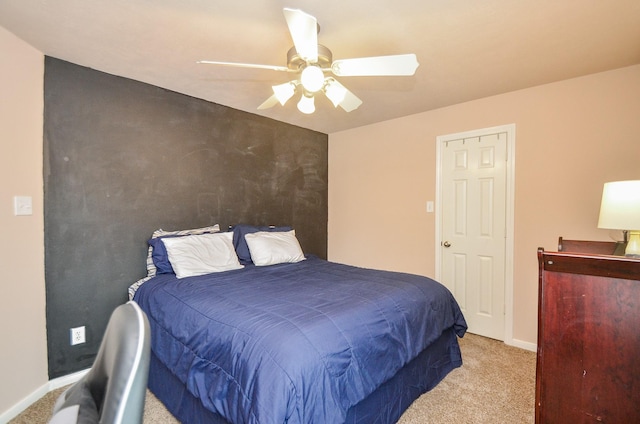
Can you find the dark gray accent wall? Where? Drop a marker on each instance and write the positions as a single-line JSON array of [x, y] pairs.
[[124, 158]]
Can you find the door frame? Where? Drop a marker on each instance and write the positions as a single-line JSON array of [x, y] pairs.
[[510, 130]]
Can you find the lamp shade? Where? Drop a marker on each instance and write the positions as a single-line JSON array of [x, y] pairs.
[[284, 92], [335, 92], [620, 207], [306, 104]]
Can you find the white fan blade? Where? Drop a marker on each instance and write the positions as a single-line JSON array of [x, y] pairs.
[[270, 102], [402, 64], [304, 32], [350, 101], [245, 65]]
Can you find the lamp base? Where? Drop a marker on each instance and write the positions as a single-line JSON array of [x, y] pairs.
[[633, 245]]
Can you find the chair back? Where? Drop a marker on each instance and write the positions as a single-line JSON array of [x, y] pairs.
[[114, 389]]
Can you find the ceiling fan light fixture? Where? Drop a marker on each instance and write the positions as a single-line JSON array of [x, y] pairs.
[[311, 61], [284, 92], [306, 104], [335, 92], [312, 78]]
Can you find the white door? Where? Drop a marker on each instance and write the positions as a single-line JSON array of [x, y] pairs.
[[473, 223]]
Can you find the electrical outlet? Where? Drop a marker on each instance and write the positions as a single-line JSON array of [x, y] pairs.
[[77, 335]]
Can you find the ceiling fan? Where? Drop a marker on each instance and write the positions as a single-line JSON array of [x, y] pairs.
[[315, 68]]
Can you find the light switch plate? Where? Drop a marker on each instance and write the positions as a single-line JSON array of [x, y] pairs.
[[22, 205]]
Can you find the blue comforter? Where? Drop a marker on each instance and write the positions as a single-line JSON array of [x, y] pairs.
[[293, 343]]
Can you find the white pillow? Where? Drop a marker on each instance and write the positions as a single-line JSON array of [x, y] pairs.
[[202, 254], [151, 267], [270, 248]]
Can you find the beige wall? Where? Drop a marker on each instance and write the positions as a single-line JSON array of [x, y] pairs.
[[23, 357], [571, 137]]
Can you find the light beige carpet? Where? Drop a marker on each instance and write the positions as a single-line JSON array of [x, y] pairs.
[[496, 384]]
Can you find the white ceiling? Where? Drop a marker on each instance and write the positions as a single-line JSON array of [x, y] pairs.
[[467, 49]]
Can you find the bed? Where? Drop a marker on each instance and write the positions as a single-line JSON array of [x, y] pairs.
[[291, 338]]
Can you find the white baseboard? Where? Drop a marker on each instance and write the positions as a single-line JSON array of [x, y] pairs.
[[56, 383], [523, 345], [16, 409], [65, 380]]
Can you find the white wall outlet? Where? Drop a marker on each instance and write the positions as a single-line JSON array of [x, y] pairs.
[[77, 335]]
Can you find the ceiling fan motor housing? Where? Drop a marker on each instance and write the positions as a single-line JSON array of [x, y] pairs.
[[297, 63]]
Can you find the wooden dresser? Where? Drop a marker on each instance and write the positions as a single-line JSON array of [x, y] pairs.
[[588, 364]]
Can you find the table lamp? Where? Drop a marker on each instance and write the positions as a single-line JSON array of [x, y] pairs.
[[620, 210]]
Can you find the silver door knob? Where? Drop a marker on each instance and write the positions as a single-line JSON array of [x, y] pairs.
[[446, 244]]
